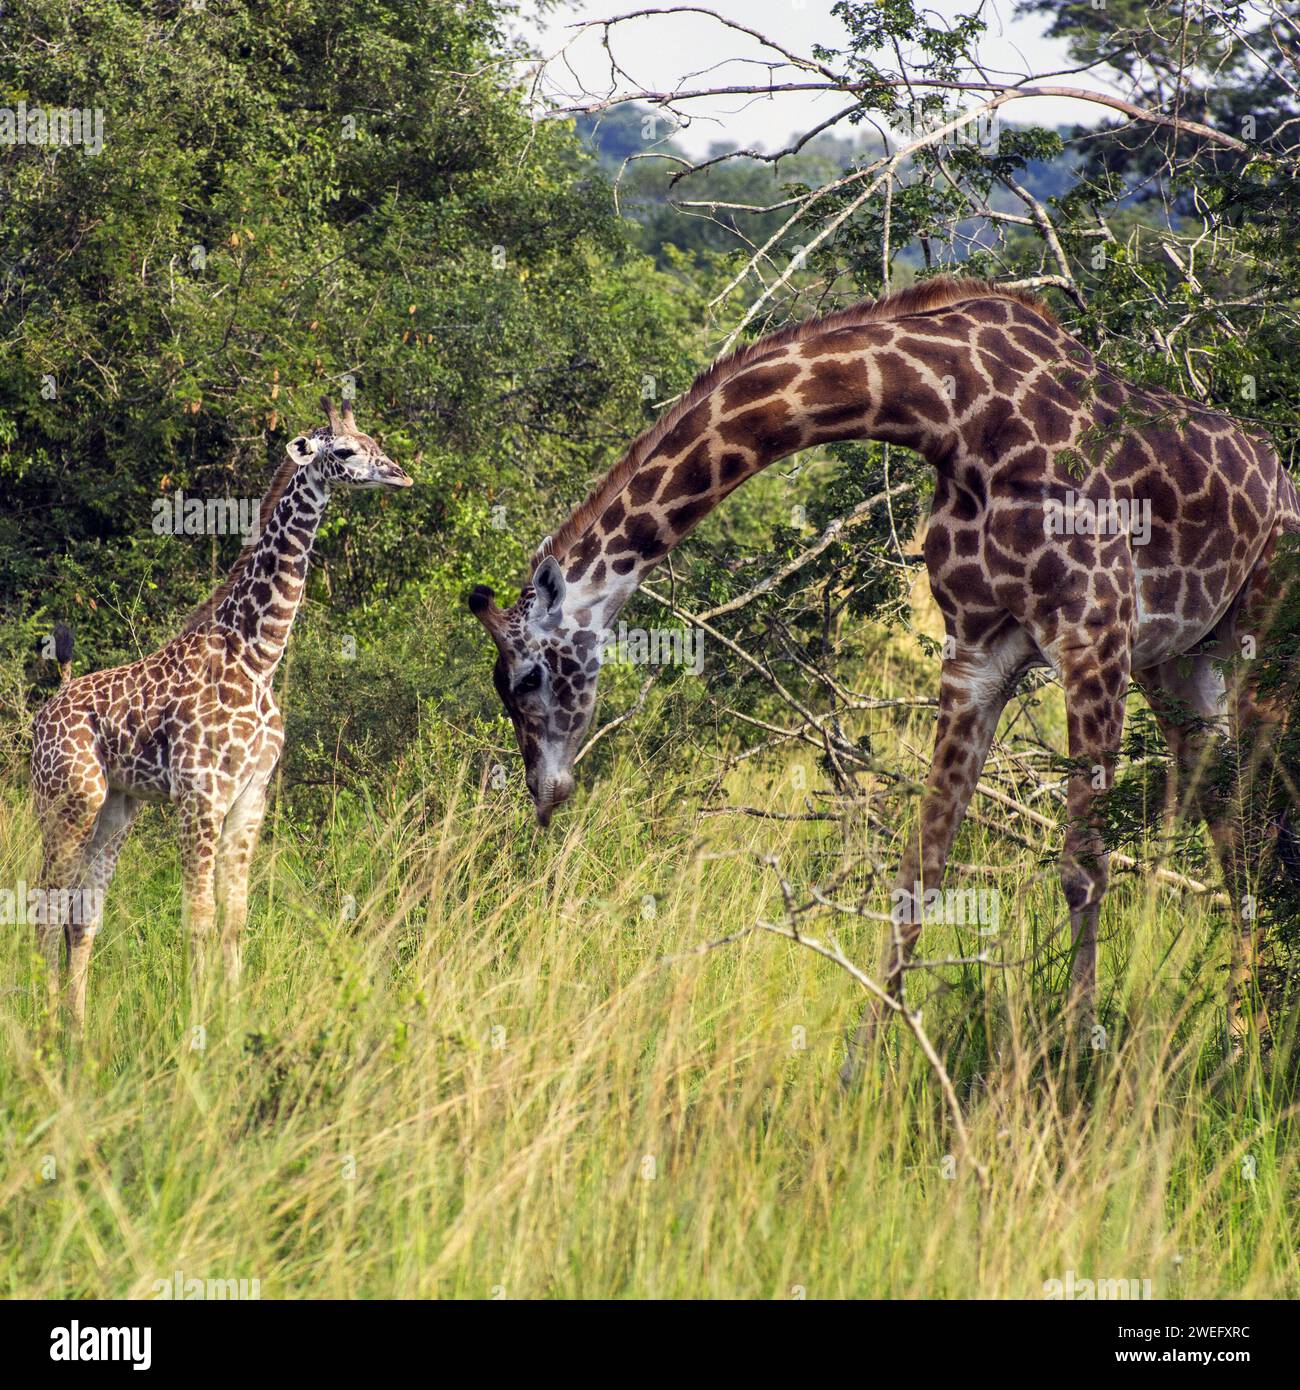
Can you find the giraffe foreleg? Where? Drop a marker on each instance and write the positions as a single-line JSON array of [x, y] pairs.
[[973, 691], [239, 837], [1095, 671], [200, 832]]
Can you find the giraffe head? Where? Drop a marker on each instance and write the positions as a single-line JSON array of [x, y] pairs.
[[341, 455], [548, 663]]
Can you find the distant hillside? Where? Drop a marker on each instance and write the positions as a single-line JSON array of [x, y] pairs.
[[626, 139]]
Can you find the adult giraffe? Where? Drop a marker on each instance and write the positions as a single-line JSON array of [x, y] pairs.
[[194, 723], [1020, 421]]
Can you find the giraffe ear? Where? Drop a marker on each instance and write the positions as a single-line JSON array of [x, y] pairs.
[[548, 580], [302, 448]]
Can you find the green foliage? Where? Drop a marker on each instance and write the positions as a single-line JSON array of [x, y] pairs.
[[291, 201]]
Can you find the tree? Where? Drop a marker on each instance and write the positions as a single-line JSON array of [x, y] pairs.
[[310, 198]]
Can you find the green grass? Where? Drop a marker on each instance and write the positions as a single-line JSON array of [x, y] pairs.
[[506, 1071]]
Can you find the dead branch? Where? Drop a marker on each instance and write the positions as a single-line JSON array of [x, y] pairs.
[[827, 538], [835, 954]]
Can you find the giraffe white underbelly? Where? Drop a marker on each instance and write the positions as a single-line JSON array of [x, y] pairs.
[[1160, 637]]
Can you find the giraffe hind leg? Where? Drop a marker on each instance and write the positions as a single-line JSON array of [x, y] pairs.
[[87, 914], [1191, 705], [1205, 720], [69, 816], [1254, 722]]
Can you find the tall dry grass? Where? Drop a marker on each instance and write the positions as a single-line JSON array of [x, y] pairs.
[[473, 1060]]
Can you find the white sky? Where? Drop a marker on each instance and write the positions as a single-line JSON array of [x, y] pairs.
[[659, 51]]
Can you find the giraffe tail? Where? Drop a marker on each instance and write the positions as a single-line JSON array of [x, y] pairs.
[[63, 651]]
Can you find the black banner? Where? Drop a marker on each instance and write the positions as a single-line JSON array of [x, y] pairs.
[[215, 1336]]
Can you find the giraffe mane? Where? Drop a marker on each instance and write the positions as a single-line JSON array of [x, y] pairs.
[[938, 293], [205, 611]]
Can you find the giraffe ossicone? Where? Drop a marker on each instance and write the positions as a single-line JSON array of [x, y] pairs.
[[1020, 422], [194, 723]]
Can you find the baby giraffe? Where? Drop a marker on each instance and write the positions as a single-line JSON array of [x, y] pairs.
[[195, 724]]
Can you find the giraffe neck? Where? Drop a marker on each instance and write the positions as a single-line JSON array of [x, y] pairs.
[[267, 586], [842, 385]]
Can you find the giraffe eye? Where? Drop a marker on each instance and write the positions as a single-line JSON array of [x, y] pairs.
[[529, 681], [346, 452]]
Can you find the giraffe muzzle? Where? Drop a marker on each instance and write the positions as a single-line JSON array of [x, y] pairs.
[[388, 474], [555, 794]]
